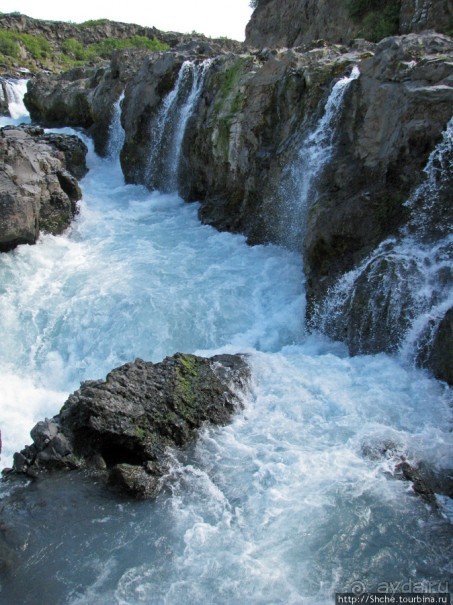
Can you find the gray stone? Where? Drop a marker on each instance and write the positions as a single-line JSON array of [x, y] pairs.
[[121, 428], [37, 193]]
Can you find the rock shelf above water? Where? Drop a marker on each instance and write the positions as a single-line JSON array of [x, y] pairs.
[[38, 183], [121, 428]]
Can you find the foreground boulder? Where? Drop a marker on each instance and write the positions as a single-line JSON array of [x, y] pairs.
[[38, 189], [120, 428]]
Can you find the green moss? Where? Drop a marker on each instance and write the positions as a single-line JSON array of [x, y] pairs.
[[189, 363], [106, 47], [186, 377], [140, 432], [10, 42], [227, 80], [37, 46]]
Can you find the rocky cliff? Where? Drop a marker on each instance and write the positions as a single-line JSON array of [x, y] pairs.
[[40, 45], [289, 23], [38, 190]]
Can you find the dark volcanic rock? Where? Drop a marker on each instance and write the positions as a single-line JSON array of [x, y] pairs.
[[245, 130], [440, 353], [288, 23], [64, 100], [393, 118], [37, 191], [426, 481], [120, 428]]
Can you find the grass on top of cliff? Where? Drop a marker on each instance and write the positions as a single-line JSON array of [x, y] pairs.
[[76, 51], [28, 50]]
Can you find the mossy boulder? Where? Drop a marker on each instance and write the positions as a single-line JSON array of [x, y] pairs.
[[121, 428]]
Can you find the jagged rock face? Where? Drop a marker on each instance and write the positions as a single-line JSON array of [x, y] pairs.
[[421, 15], [288, 23], [152, 82], [82, 97], [440, 354], [394, 116], [121, 428], [37, 192], [65, 100], [243, 134], [4, 111]]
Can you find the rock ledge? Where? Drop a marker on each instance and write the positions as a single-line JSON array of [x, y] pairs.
[[120, 428]]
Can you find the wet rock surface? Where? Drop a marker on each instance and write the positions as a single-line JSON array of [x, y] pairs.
[[38, 189], [426, 481], [120, 429]]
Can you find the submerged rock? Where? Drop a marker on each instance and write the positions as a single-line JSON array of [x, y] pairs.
[[121, 428], [426, 481], [38, 191]]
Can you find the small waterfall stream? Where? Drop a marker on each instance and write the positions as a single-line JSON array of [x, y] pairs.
[[116, 131], [395, 299], [168, 130], [13, 92], [315, 151], [295, 500]]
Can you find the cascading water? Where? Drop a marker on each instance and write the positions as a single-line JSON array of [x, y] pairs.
[[13, 92], [396, 298], [116, 131], [315, 151], [293, 501], [168, 130]]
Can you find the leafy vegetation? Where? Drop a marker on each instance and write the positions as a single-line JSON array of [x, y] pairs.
[[11, 42], [94, 22], [378, 18], [14, 46], [76, 51], [8, 46]]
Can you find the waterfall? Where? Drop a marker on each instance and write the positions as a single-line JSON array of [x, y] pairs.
[[167, 131], [116, 131], [13, 92], [395, 299], [287, 503], [313, 155]]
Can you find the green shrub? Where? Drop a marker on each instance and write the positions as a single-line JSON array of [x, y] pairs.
[[37, 46], [378, 18], [8, 45], [75, 50], [379, 25], [94, 22], [106, 47]]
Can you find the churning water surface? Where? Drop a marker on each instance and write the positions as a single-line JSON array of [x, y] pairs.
[[282, 506]]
